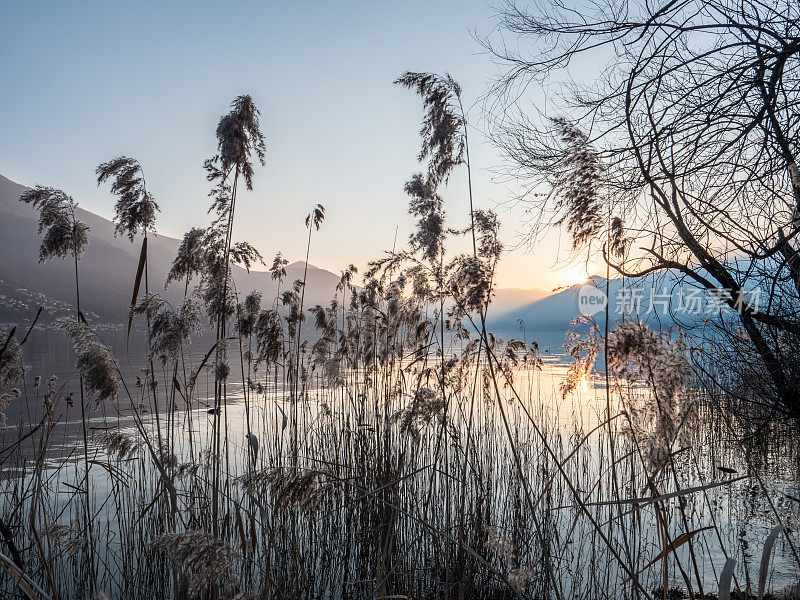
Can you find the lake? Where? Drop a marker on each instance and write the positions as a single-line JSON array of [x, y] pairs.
[[524, 488]]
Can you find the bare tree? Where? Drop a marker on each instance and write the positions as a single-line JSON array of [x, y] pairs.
[[689, 136]]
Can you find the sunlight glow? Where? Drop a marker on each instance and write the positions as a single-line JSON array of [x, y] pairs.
[[584, 385], [574, 274]]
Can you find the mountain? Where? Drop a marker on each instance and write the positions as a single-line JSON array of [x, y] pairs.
[[107, 268], [550, 313], [661, 300]]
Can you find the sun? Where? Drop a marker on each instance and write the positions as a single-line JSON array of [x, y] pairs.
[[576, 271], [570, 275]]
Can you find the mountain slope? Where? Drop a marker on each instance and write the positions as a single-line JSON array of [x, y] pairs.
[[507, 300], [108, 266], [659, 299]]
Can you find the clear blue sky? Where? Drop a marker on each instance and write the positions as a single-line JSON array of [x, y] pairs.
[[83, 82]]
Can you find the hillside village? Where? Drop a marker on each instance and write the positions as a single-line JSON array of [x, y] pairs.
[[20, 305]]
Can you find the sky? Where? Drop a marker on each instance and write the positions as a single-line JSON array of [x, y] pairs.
[[81, 83]]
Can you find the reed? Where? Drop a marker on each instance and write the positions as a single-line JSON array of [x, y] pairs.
[[399, 450]]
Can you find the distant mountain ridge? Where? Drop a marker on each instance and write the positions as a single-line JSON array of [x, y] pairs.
[[659, 299], [108, 266]]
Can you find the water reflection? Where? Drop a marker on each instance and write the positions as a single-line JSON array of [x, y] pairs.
[[762, 468]]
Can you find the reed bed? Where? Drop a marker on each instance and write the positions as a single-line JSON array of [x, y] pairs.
[[377, 496], [393, 447]]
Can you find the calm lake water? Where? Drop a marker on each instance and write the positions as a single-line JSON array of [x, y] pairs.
[[742, 512]]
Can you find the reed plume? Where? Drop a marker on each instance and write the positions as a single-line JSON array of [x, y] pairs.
[[203, 561], [119, 444], [169, 329], [189, 261], [63, 233], [12, 367], [442, 130], [136, 208], [95, 361]]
